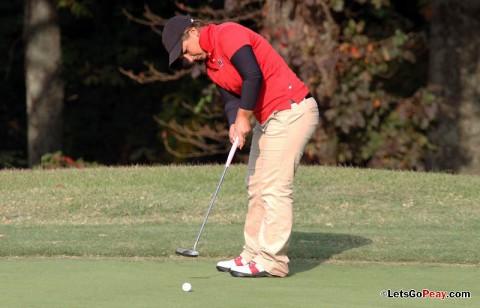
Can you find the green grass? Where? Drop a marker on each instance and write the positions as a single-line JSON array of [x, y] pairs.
[[106, 237], [142, 283]]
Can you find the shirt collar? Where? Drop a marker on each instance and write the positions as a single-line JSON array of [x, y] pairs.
[[207, 43]]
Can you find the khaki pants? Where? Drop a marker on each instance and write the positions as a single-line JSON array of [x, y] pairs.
[[277, 147]]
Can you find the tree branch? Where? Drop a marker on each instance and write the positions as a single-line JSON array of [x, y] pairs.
[[153, 75], [197, 136]]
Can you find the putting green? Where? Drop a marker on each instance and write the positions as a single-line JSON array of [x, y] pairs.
[[55, 282]]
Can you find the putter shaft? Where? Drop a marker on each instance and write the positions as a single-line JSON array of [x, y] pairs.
[[210, 208], [227, 164]]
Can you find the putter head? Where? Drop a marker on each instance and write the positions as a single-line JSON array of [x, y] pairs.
[[187, 252]]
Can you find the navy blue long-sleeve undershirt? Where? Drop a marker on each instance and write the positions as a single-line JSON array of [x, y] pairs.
[[247, 66]]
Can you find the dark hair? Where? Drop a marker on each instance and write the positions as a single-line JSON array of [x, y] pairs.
[[197, 24]]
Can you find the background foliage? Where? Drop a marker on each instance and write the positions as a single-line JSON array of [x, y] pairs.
[[379, 115], [382, 109]]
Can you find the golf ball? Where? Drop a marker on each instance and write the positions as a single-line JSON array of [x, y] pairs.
[[186, 287]]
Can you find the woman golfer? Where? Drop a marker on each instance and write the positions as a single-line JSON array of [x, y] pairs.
[[254, 80]]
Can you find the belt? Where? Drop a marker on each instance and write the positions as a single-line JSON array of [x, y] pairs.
[[306, 97]]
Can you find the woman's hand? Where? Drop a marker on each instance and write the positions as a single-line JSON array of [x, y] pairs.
[[241, 127]]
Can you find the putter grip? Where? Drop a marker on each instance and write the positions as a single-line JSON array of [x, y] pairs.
[[232, 152]]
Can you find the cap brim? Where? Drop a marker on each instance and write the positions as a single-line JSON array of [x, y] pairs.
[[175, 52]]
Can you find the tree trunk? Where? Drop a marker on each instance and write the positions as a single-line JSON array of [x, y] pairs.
[[42, 79], [306, 36], [455, 70]]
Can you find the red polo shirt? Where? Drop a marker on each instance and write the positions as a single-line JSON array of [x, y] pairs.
[[280, 84]]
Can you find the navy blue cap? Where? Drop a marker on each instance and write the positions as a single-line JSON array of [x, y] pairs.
[[172, 35]]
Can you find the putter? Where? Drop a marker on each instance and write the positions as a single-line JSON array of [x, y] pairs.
[[193, 252]]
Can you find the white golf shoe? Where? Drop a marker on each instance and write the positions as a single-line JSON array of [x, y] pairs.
[[225, 266]]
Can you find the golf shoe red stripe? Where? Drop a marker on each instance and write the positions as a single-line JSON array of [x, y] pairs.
[[238, 261], [253, 267]]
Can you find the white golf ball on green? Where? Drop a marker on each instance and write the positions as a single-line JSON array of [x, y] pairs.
[[186, 287]]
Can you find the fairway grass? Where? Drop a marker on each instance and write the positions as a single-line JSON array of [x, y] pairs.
[[106, 237], [57, 282]]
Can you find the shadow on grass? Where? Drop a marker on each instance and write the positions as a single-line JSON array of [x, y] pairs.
[[308, 250]]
